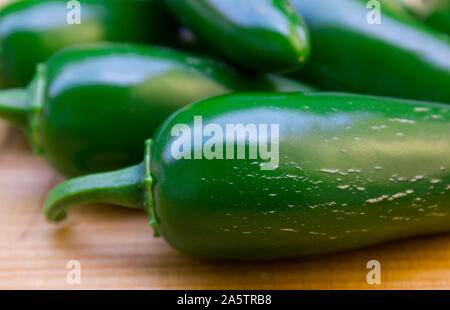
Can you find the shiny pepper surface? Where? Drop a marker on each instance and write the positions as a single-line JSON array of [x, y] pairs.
[[31, 31], [90, 108], [344, 172]]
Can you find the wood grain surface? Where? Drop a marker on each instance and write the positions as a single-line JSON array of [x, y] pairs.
[[116, 249]]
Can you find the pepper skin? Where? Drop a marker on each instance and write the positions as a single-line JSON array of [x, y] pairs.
[[440, 20], [399, 57], [435, 13], [31, 31], [353, 171], [85, 95], [264, 35]]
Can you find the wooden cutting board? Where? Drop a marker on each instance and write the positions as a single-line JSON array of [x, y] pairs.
[[116, 249]]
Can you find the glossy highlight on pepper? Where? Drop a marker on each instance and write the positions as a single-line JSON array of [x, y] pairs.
[[353, 171], [91, 107]]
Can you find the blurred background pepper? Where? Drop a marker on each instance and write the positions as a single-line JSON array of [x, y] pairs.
[[33, 30], [398, 57], [263, 35], [90, 107]]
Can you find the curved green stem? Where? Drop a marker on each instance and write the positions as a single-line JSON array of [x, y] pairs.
[[123, 187], [14, 106]]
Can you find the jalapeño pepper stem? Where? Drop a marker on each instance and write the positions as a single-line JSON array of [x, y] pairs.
[[122, 187], [14, 106], [129, 187]]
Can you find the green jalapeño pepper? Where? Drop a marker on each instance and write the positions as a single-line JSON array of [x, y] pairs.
[[31, 31], [264, 35], [85, 95], [273, 175], [435, 13], [360, 46], [439, 18]]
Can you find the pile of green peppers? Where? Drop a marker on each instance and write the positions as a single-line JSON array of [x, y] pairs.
[[255, 129]]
